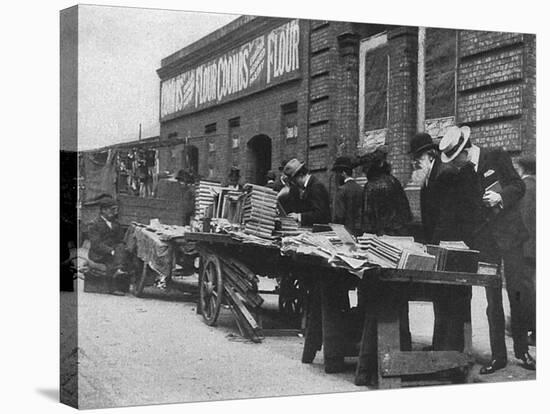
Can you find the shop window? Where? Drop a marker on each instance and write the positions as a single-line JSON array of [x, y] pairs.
[[289, 121], [440, 64]]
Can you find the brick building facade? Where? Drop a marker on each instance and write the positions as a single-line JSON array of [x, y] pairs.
[[261, 90]]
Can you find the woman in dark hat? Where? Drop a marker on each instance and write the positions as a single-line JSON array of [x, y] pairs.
[[386, 208], [385, 211]]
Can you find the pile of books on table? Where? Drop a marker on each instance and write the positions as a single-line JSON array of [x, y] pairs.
[[396, 252], [206, 193], [259, 210]]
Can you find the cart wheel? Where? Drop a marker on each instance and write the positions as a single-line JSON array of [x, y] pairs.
[[210, 289], [291, 297], [138, 287]]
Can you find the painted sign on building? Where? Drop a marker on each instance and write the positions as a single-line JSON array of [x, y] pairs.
[[268, 59]]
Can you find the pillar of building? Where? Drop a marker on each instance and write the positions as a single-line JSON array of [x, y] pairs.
[[402, 95]]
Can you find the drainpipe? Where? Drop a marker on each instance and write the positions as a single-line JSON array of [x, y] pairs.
[[421, 81]]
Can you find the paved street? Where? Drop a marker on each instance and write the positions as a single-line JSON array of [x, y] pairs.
[[158, 350]]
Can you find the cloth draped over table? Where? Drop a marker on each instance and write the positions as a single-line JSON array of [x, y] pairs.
[[150, 248]]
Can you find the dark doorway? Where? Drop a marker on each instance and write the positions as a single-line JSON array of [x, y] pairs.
[[259, 159], [190, 158]]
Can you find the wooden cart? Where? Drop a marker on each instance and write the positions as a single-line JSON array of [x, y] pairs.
[[227, 275]]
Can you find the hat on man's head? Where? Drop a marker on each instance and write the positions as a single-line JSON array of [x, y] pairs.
[[453, 142], [292, 167], [282, 166], [420, 143], [342, 163], [529, 164]]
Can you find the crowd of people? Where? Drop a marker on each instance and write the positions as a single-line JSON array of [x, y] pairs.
[[468, 194]]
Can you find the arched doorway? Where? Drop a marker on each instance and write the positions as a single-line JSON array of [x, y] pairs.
[[190, 158], [258, 159]]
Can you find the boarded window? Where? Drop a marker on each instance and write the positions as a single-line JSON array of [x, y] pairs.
[[440, 72], [376, 88]]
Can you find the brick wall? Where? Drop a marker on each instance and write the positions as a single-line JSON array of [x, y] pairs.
[[402, 88], [496, 89]]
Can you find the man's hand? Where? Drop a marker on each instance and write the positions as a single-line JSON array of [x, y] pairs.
[[492, 199], [296, 216]]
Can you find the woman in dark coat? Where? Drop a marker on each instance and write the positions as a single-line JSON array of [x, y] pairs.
[[386, 211], [386, 208]]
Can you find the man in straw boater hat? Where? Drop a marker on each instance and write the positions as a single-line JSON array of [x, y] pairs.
[[106, 242], [349, 196], [499, 237]]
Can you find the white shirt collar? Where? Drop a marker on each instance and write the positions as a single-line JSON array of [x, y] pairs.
[[474, 156], [306, 182], [108, 222], [349, 179]]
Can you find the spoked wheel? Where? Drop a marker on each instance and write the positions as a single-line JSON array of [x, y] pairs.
[[291, 297], [210, 289]]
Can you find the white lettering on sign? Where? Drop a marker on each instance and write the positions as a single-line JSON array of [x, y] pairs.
[[248, 67], [283, 50]]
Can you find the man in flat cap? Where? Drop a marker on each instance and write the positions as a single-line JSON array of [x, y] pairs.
[[500, 236], [106, 242], [349, 197]]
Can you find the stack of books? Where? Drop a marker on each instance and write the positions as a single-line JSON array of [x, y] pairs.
[[206, 193], [378, 251], [259, 210], [396, 253], [454, 257], [286, 226]]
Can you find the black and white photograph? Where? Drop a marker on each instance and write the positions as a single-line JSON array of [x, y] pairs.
[[279, 205]]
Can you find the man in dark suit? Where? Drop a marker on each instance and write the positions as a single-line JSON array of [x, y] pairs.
[[349, 197], [313, 205], [527, 205], [499, 237], [427, 165], [106, 242], [308, 202]]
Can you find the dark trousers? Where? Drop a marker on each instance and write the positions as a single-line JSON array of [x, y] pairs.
[[335, 306], [519, 298], [118, 261]]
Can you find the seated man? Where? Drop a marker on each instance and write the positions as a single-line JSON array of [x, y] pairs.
[[106, 242]]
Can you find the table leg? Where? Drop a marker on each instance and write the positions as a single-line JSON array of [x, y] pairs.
[[314, 329], [388, 319]]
